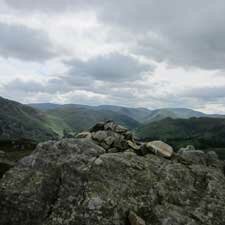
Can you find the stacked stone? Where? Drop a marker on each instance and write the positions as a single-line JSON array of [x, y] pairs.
[[112, 137], [116, 138]]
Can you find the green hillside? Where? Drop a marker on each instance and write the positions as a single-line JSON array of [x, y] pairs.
[[18, 121], [203, 133], [138, 114], [78, 119], [174, 113]]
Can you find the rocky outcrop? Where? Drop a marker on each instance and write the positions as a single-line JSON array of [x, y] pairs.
[[82, 181], [112, 137]]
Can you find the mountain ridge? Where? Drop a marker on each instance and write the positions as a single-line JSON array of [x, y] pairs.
[[141, 114]]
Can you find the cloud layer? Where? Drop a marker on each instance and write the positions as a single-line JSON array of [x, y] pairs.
[[18, 41], [112, 67], [150, 53]]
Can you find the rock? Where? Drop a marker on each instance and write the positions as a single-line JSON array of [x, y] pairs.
[[194, 156], [97, 127], [109, 140], [109, 125], [98, 162], [120, 129], [135, 220], [133, 145], [84, 135], [111, 135], [5, 165], [190, 147], [159, 147], [128, 136], [104, 145], [213, 160], [187, 148], [120, 143], [2, 153], [75, 181], [113, 150], [99, 136], [212, 156], [130, 150]]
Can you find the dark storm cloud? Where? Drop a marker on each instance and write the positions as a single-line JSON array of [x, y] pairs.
[[186, 33], [112, 67], [21, 42]]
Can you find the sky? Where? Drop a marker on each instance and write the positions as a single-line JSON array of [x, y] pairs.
[[139, 53]]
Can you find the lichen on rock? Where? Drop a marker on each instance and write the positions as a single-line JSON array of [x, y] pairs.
[[77, 181]]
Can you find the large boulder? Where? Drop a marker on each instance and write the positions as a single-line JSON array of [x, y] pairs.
[[161, 148], [194, 156], [200, 157], [76, 182]]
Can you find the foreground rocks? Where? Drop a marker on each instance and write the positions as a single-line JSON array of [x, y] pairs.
[[85, 182], [111, 136], [134, 219], [116, 138]]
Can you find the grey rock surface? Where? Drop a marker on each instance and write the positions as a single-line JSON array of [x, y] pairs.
[[160, 148], [134, 219], [2, 153], [77, 182]]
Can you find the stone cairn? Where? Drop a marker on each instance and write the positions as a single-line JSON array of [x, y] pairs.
[[116, 138]]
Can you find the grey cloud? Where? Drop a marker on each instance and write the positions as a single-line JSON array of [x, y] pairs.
[[113, 67], [109, 93], [130, 93], [206, 93], [25, 86], [50, 5], [21, 42], [186, 33], [112, 74], [51, 87]]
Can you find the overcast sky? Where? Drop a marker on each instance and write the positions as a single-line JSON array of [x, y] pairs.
[[138, 53]]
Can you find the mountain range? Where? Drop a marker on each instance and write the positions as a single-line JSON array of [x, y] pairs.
[[142, 115], [46, 121]]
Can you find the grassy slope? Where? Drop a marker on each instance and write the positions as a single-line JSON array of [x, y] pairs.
[[138, 114], [175, 113], [57, 124], [204, 133], [79, 119], [18, 121]]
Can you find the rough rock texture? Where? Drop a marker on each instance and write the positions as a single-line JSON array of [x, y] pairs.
[[159, 147], [134, 219], [111, 136], [77, 182]]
